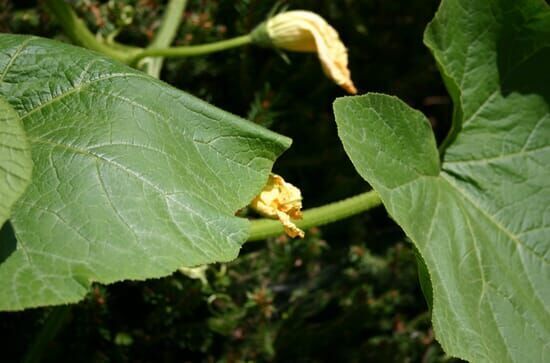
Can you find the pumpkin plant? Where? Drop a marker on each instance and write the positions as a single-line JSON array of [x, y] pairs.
[[108, 174]]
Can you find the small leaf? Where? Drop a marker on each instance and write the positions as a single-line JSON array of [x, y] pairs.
[[132, 178], [15, 159], [481, 221]]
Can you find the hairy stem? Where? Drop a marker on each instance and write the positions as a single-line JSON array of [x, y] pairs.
[[165, 35], [265, 228], [194, 50], [79, 33]]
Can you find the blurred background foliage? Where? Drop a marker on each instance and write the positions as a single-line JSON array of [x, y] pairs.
[[348, 292]]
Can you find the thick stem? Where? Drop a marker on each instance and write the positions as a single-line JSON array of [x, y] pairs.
[[79, 33], [166, 34], [55, 320], [194, 50], [263, 228]]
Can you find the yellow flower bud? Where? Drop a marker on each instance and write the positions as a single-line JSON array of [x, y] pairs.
[[280, 200], [304, 31]]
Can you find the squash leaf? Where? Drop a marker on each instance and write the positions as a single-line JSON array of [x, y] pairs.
[[132, 178], [479, 214], [15, 159]]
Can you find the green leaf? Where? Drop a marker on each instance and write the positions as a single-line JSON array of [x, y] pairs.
[[424, 278], [132, 178], [481, 219], [15, 159]]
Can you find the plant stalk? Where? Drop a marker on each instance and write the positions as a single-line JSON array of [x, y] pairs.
[[264, 228], [165, 35], [193, 50], [78, 32]]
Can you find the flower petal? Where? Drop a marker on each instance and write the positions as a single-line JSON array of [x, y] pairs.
[[304, 31], [280, 200]]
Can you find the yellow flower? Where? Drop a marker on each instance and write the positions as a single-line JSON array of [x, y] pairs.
[[280, 200], [304, 31]]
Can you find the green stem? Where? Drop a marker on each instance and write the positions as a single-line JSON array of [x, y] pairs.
[[79, 33], [170, 24], [166, 34], [264, 228], [194, 50], [55, 320]]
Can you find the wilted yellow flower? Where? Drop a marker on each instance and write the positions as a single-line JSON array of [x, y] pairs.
[[304, 31], [280, 200]]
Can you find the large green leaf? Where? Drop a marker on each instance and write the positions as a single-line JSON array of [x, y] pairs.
[[15, 159], [132, 178], [480, 217]]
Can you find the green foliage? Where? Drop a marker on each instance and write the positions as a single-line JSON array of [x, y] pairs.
[[284, 300], [15, 159], [480, 220], [118, 158], [279, 301]]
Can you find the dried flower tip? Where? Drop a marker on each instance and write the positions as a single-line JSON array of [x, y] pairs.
[[280, 200], [305, 31]]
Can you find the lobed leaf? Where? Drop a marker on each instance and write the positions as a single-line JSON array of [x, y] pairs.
[[480, 218]]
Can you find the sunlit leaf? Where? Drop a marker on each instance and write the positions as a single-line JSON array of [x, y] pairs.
[[132, 178], [481, 217], [15, 159]]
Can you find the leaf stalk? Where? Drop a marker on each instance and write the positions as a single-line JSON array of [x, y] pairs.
[[165, 35], [264, 228], [194, 50], [78, 32]]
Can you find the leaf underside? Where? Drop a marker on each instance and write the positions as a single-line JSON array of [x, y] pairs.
[[132, 178], [480, 218]]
